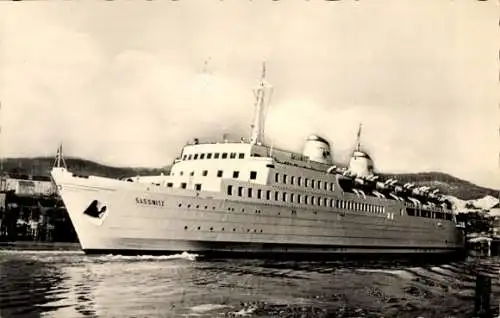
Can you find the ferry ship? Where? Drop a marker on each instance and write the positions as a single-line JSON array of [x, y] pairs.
[[245, 197]]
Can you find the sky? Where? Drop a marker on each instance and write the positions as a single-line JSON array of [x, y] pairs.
[[124, 83]]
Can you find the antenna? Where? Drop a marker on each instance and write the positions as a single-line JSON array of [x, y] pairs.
[[257, 135], [358, 139]]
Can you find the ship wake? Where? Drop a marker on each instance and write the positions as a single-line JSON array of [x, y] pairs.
[[141, 258]]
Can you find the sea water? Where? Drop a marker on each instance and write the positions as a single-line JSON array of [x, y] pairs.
[[71, 284]]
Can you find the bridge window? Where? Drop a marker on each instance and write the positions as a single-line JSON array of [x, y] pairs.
[[195, 156], [184, 157], [204, 173], [183, 185], [253, 175], [224, 155], [241, 155], [232, 155], [229, 190], [170, 184], [236, 174], [190, 156], [202, 156], [197, 186], [219, 174], [216, 155], [181, 173], [191, 173], [209, 155]]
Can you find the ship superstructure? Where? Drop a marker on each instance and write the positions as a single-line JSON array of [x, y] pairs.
[[245, 196]]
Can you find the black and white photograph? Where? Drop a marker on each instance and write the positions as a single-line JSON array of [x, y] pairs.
[[250, 158]]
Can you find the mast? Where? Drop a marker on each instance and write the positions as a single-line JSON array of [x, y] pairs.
[[59, 158], [358, 139], [257, 135]]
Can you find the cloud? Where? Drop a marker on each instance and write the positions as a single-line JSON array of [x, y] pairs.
[[128, 86]]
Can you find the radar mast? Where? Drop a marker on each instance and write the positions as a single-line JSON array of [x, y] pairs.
[[257, 135], [358, 138]]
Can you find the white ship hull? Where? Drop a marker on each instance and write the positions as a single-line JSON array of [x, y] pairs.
[[146, 219]]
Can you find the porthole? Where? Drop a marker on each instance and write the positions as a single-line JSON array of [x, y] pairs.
[[248, 230], [213, 208], [197, 206], [189, 205], [234, 230], [185, 228], [199, 228], [260, 231], [222, 229], [206, 207], [180, 205], [211, 229]]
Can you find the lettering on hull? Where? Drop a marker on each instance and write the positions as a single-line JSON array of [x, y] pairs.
[[145, 201]]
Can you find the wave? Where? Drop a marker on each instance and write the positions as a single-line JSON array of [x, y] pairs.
[[181, 256], [208, 307]]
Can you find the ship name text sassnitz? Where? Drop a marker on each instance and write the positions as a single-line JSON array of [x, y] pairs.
[[145, 201]]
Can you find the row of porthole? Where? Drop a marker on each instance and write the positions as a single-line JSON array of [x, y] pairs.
[[243, 210], [222, 229], [197, 206], [293, 212]]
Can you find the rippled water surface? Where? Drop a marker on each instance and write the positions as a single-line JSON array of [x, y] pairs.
[[71, 284]]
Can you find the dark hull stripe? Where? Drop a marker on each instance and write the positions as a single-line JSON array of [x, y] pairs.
[[288, 251], [399, 257]]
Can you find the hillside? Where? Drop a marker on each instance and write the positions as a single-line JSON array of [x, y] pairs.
[[41, 166], [446, 184]]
